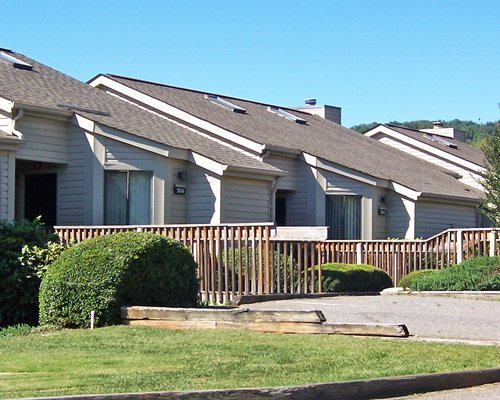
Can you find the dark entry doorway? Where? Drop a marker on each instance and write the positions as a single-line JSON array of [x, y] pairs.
[[40, 198]]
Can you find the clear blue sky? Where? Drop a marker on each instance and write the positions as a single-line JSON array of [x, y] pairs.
[[379, 60]]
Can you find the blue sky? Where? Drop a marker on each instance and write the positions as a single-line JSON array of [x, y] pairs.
[[380, 60]]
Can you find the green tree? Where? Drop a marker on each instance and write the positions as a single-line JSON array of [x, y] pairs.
[[490, 206]]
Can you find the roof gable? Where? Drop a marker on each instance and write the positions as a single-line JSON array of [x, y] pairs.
[[45, 87], [318, 137]]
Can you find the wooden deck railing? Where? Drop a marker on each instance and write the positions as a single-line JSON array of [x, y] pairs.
[[247, 259]]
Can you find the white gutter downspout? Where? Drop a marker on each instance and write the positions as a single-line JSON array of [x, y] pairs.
[[18, 116]]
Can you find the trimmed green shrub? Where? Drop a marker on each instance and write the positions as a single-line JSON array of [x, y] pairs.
[[410, 280], [19, 284], [338, 277], [103, 273], [481, 273]]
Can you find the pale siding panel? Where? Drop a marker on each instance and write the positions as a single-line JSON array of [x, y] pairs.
[[178, 207], [45, 140], [297, 201], [71, 180], [245, 200], [432, 218], [339, 184], [120, 153], [289, 181], [200, 197], [398, 215], [4, 185]]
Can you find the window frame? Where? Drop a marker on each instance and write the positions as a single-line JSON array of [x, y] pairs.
[[127, 191], [341, 232]]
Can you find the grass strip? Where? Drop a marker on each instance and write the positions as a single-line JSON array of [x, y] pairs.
[[122, 359]]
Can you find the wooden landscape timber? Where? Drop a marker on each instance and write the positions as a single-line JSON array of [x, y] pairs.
[[313, 322]]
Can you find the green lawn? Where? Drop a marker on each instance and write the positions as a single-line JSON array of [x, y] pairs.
[[125, 359]]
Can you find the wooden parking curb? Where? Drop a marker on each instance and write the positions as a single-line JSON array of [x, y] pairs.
[[312, 322], [352, 390]]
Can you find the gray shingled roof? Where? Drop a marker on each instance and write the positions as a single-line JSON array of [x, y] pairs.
[[46, 87], [319, 137], [462, 150]]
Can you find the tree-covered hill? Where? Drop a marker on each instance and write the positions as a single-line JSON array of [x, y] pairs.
[[474, 132]]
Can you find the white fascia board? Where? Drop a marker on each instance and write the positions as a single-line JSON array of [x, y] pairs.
[[405, 191], [425, 147], [84, 123], [6, 105], [253, 173], [177, 113], [129, 139], [206, 163], [310, 159]]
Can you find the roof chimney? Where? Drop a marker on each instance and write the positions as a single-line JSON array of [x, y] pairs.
[[310, 102], [438, 124]]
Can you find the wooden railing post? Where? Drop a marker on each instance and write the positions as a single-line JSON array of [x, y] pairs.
[[460, 246], [359, 253], [493, 243]]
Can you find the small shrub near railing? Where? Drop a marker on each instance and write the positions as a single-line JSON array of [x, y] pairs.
[[338, 277], [475, 274], [104, 273], [410, 281]]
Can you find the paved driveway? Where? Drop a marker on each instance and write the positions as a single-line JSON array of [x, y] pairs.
[[434, 317], [485, 392], [427, 317]]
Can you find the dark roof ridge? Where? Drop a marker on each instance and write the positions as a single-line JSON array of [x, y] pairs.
[[405, 127], [201, 92]]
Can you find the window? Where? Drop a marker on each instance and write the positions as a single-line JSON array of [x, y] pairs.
[[343, 216], [127, 198]]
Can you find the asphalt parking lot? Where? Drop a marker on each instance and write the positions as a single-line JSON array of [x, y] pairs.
[[464, 318], [474, 319]]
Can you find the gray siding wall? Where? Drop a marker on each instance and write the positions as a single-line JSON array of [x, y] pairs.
[[45, 140], [432, 218], [297, 201], [339, 184], [4, 185], [72, 197], [245, 200], [179, 206], [399, 215], [200, 196], [290, 165], [126, 156]]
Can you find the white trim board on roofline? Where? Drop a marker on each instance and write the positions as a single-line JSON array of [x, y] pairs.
[[424, 146], [159, 105], [164, 150]]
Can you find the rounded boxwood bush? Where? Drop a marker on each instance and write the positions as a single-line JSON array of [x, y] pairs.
[[337, 277], [104, 273]]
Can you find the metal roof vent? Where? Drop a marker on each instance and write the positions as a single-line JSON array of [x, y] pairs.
[[310, 101]]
